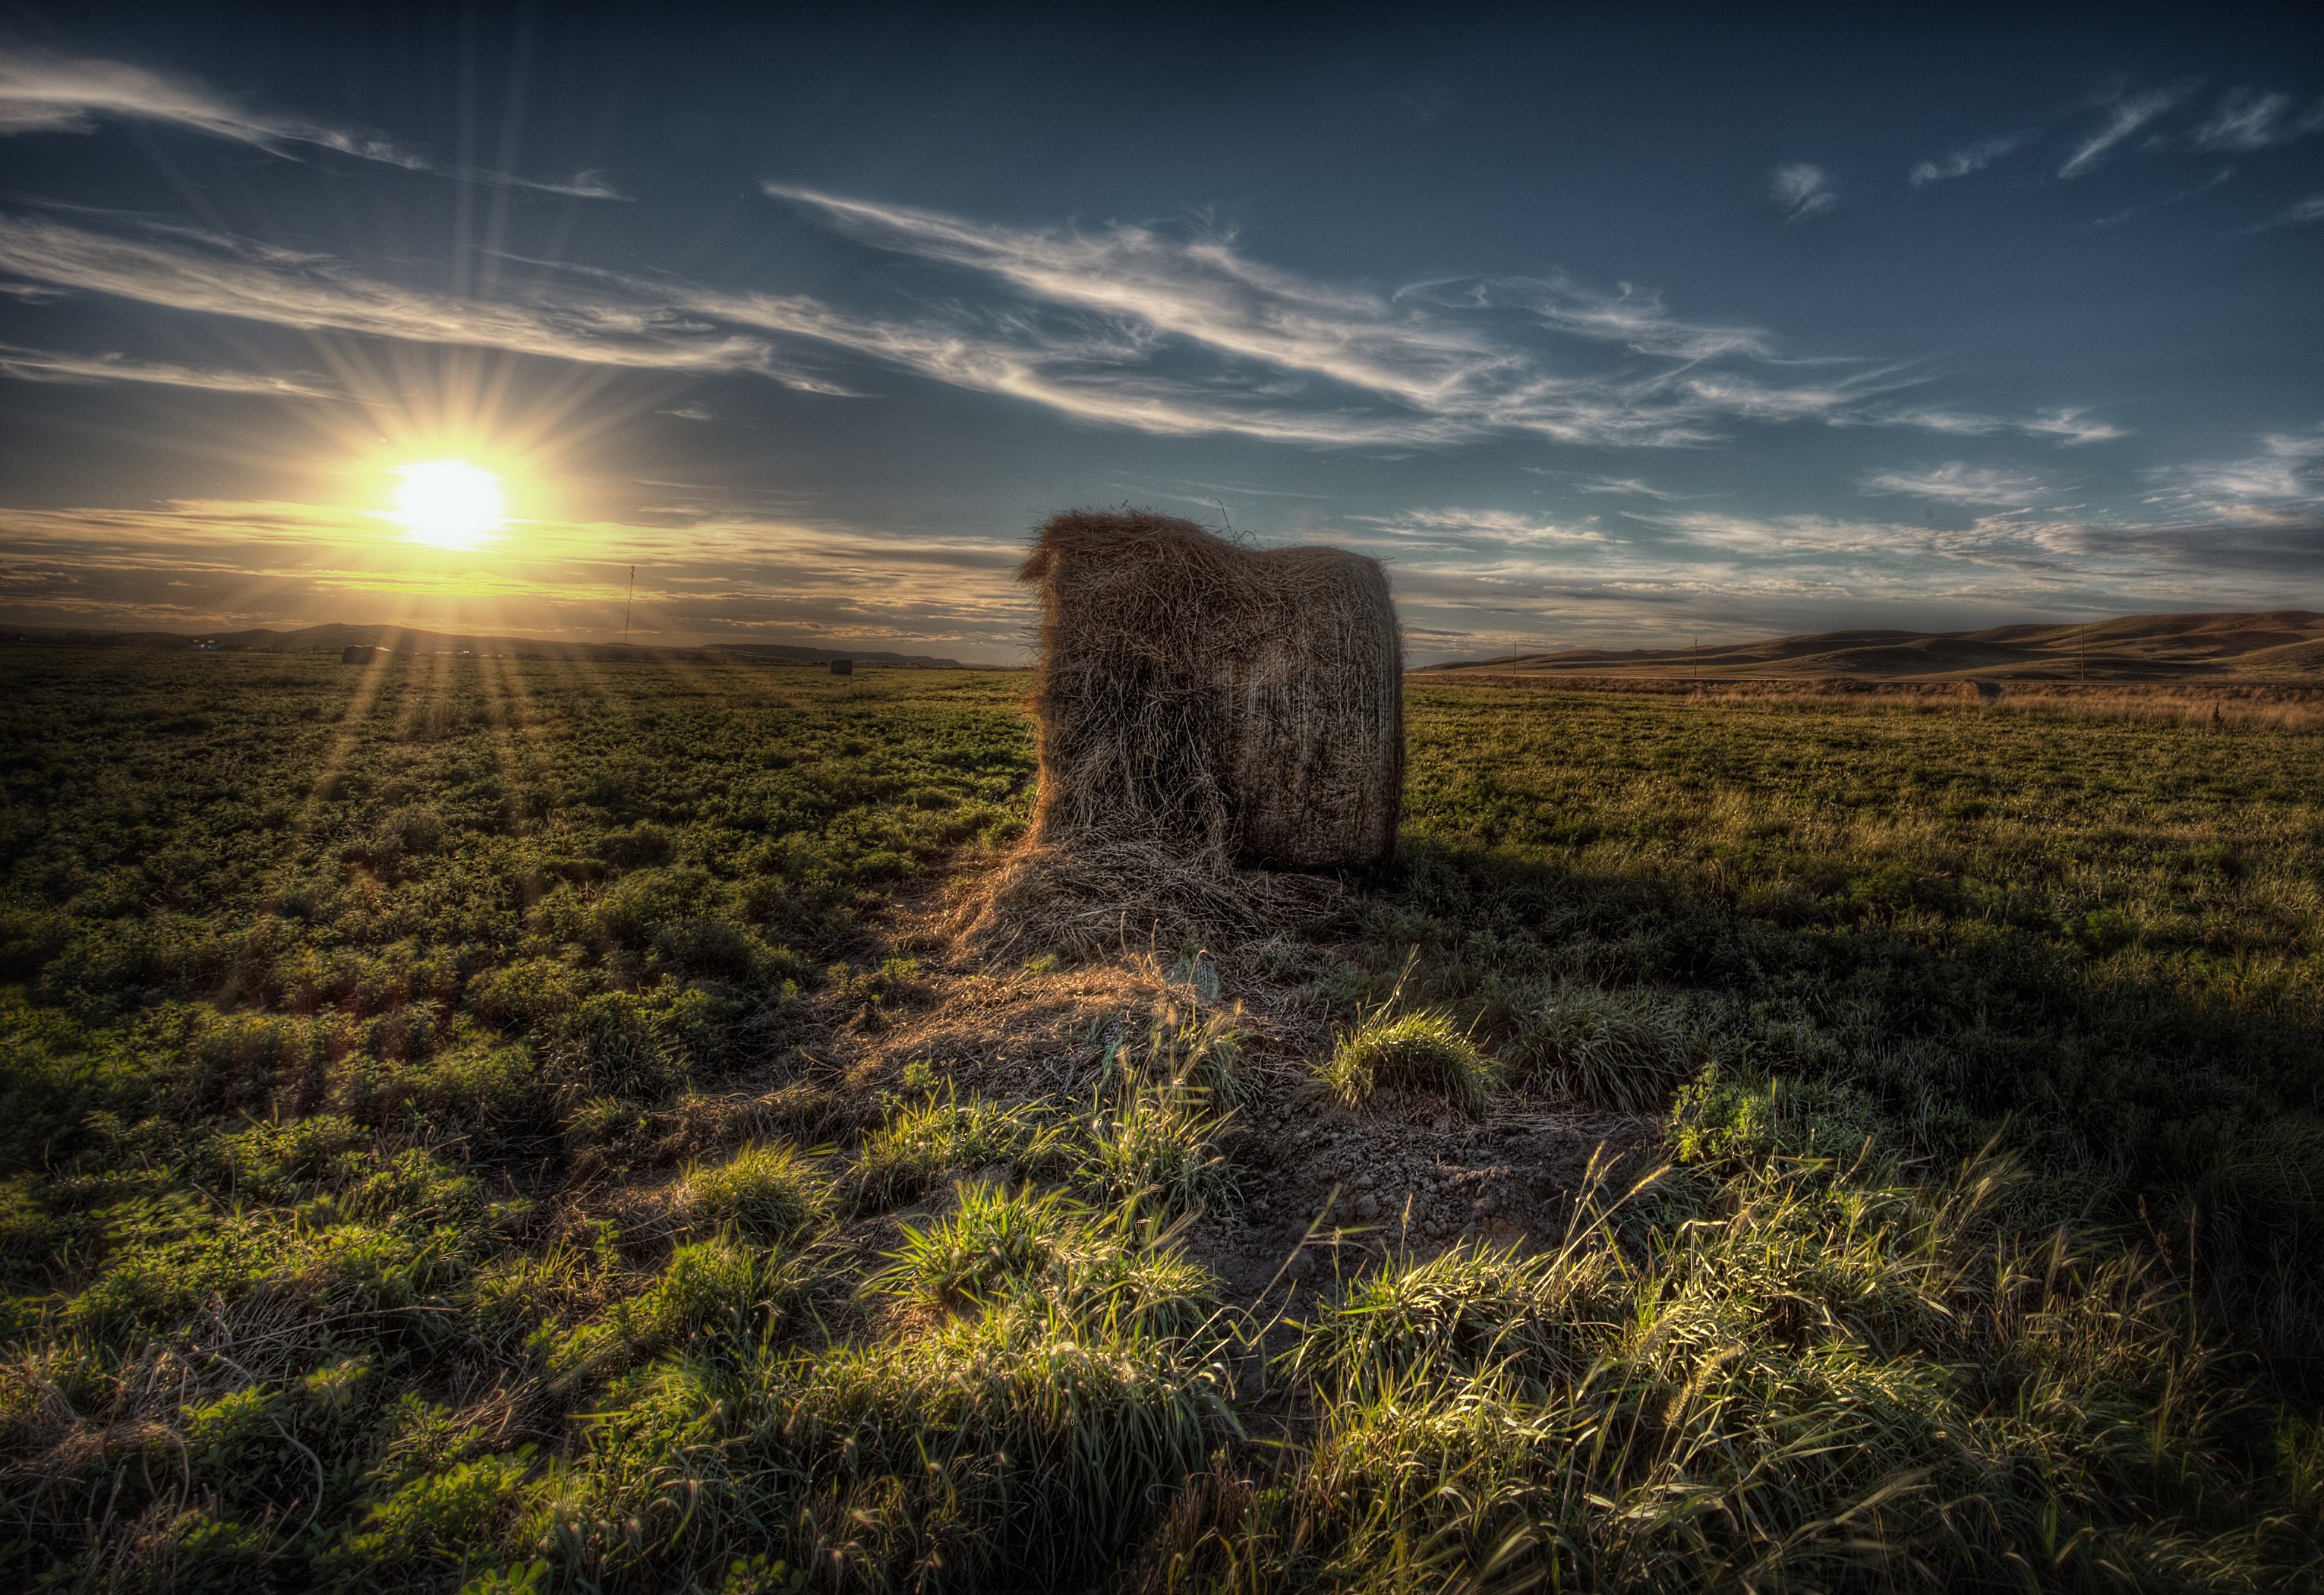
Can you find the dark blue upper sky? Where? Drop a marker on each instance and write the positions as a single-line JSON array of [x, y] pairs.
[[1598, 328]]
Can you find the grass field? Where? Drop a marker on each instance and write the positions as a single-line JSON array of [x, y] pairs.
[[494, 1124]]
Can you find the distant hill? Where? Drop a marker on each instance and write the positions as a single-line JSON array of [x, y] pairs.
[[335, 639], [2286, 643]]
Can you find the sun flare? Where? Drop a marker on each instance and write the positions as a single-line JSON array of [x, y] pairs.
[[449, 505]]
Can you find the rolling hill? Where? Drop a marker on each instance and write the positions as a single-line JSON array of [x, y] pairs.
[[2278, 644]]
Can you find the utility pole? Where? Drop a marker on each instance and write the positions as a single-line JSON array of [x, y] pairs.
[[632, 598], [2082, 635], [1695, 647]]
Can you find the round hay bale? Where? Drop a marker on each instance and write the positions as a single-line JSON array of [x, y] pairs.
[[1215, 702], [1197, 707], [1981, 692]]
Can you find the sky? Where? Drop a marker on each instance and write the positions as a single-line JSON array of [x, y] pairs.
[[1598, 330]]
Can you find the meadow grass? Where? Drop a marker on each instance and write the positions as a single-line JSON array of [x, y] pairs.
[[367, 1216]]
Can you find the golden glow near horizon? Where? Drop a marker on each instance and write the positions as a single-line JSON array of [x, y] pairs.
[[449, 505]]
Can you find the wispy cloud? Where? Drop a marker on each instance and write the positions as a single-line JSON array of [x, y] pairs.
[[1959, 484], [1467, 528], [1626, 486], [1435, 362], [1628, 313], [1801, 190], [2124, 116], [2298, 214], [2250, 119], [42, 366], [190, 270], [1125, 327], [42, 93], [1145, 284], [1772, 573], [2287, 468], [2180, 197], [1961, 162], [2068, 426]]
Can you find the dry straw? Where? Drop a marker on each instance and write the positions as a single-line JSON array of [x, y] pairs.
[[1205, 712]]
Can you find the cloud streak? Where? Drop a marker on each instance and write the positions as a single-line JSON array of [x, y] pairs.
[[2248, 120], [1963, 162], [41, 367], [2299, 213], [1485, 579], [41, 93], [187, 270], [2124, 117], [1958, 483], [2288, 471], [2067, 427], [1801, 190]]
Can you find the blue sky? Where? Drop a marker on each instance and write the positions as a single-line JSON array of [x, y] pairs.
[[1599, 330]]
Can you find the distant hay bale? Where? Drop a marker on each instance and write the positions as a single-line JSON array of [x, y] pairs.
[[1199, 707], [357, 653], [1979, 692], [843, 666]]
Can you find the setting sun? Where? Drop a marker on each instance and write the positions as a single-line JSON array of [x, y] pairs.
[[450, 504]]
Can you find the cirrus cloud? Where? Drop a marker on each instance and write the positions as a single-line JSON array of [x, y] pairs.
[[39, 366], [1169, 332], [1958, 483], [42, 93], [1961, 162]]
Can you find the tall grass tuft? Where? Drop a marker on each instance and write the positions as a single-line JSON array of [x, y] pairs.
[[1621, 1049], [992, 1243], [1422, 1052], [1194, 1049], [1469, 1309], [997, 1247], [769, 1193], [1157, 1148], [907, 1155]]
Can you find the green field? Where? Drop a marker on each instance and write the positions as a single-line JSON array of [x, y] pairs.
[[477, 1123]]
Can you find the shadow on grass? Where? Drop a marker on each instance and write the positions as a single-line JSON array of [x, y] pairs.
[[2192, 1116]]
